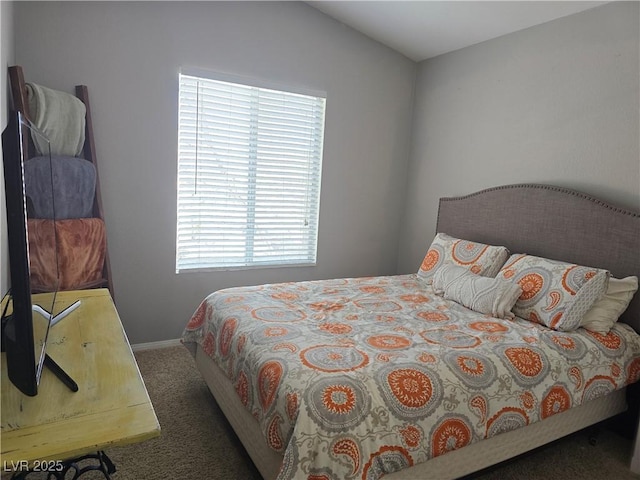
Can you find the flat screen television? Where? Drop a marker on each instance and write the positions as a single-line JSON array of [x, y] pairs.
[[26, 317]]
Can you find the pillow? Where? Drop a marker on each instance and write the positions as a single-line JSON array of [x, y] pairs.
[[485, 260], [606, 311], [491, 296], [555, 294]]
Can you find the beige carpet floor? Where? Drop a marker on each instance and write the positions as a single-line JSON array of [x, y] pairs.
[[197, 442]]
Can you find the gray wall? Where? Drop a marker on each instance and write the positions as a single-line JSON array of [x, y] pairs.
[[6, 59], [128, 54], [556, 103]]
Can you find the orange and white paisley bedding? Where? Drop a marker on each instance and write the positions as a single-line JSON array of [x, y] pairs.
[[355, 378]]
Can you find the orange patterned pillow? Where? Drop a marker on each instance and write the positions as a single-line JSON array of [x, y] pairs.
[[554, 293], [481, 259]]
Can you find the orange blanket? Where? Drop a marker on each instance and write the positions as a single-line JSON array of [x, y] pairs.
[[81, 247]]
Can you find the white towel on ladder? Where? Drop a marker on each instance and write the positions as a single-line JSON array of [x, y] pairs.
[[60, 116]]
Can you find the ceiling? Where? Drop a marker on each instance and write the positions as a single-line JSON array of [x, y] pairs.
[[424, 29]]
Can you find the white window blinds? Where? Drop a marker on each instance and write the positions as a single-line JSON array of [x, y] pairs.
[[249, 168]]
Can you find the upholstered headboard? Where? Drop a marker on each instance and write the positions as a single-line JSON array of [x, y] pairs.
[[552, 222]]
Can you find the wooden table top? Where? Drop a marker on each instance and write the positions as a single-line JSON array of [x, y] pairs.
[[112, 406]]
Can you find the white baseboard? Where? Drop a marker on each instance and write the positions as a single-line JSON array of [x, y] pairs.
[[139, 347]]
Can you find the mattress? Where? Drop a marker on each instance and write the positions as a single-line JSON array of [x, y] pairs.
[[365, 377]]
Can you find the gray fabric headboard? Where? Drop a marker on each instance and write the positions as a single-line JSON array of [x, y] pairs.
[[552, 222]]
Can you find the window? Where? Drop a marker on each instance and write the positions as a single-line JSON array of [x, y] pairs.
[[249, 168]]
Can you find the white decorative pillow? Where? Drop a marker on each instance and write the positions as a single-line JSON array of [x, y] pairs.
[[485, 260], [491, 296], [555, 294], [606, 311]]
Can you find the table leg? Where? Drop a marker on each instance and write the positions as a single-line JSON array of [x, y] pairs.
[[100, 463]]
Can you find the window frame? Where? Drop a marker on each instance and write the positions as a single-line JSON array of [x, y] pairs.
[[261, 84]]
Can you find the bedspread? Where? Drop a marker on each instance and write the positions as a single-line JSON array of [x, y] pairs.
[[355, 378]]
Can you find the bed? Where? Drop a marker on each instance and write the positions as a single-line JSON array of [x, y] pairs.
[[385, 376]]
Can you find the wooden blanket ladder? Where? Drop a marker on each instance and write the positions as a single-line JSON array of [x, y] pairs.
[[20, 103]]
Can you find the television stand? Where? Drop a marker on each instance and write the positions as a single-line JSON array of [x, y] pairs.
[[48, 361], [54, 319], [60, 373]]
